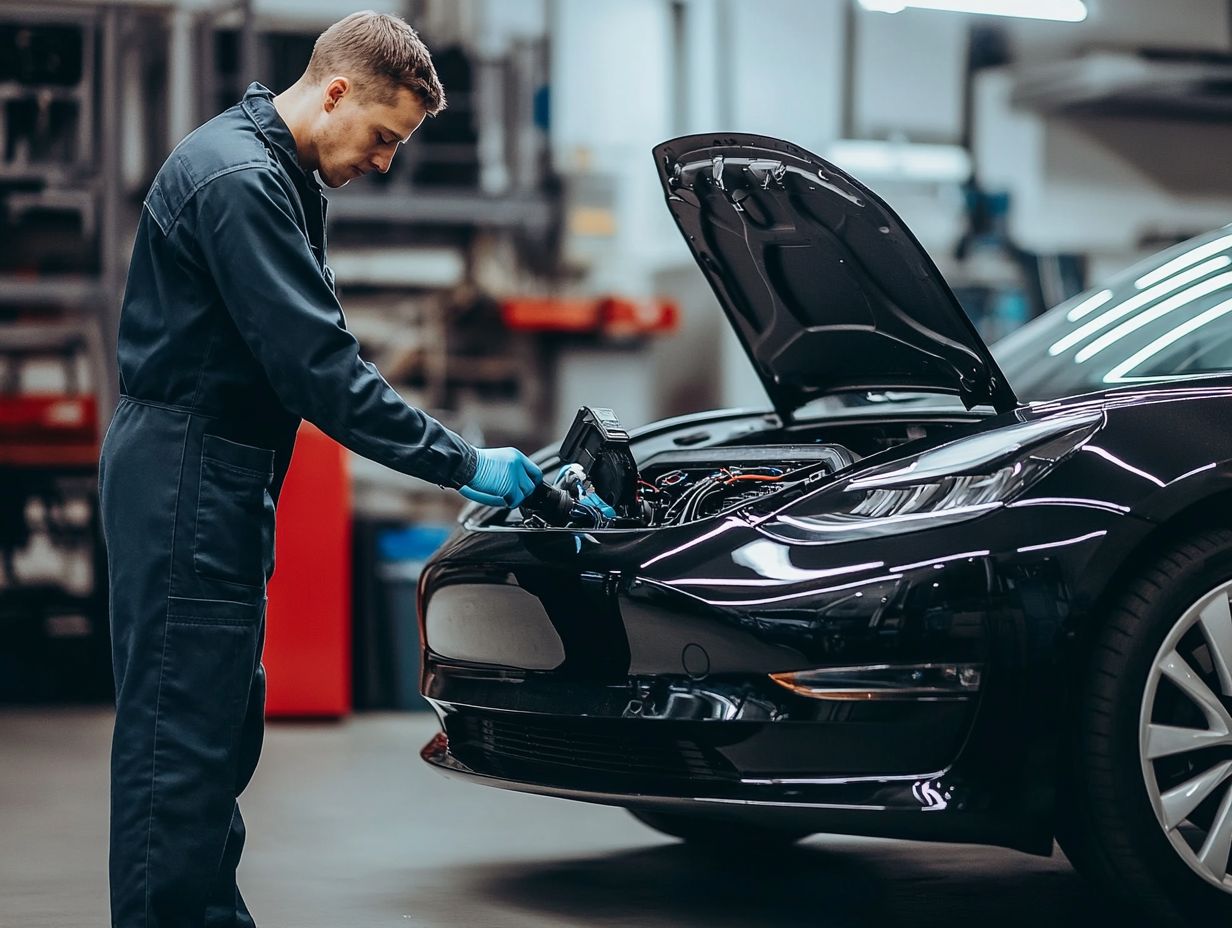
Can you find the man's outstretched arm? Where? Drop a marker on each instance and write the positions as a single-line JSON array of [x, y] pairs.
[[289, 317]]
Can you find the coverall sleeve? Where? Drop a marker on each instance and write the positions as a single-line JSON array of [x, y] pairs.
[[288, 315]]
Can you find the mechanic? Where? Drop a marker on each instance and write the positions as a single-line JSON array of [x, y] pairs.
[[230, 334]]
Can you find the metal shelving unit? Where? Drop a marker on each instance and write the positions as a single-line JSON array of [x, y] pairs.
[[51, 291], [60, 157], [42, 93], [447, 207], [477, 172]]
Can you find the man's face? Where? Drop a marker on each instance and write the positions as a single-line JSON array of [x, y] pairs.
[[354, 135]]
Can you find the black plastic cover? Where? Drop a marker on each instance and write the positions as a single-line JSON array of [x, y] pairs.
[[600, 444]]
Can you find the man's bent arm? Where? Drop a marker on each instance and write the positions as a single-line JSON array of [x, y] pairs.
[[288, 315]]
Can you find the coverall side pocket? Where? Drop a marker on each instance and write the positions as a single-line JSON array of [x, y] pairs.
[[234, 539], [208, 675]]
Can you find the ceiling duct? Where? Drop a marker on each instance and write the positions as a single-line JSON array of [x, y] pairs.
[[1143, 83]]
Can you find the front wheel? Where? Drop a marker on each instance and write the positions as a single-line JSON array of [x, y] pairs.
[[703, 830], [1148, 808]]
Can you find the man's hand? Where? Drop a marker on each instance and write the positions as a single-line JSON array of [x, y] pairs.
[[504, 477]]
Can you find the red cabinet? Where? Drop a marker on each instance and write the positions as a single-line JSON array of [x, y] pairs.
[[308, 620]]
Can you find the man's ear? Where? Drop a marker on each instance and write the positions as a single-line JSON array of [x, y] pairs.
[[335, 90]]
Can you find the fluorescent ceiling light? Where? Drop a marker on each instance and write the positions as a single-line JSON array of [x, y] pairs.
[[1067, 11], [869, 159]]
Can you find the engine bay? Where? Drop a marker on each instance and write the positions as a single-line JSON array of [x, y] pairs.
[[671, 487]]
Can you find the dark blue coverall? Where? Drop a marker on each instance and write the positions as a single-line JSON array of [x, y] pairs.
[[230, 334]]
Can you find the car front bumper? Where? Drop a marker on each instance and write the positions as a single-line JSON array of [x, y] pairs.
[[575, 670], [930, 808]]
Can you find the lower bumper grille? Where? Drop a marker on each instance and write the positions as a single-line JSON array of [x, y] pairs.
[[580, 750]]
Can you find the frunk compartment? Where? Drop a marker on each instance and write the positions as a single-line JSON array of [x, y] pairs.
[[683, 485]]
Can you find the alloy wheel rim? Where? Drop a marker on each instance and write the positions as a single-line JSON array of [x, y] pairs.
[[1185, 737]]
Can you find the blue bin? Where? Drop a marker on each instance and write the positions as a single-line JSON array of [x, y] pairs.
[[401, 556]]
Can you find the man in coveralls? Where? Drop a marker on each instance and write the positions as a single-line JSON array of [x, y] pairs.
[[230, 334]]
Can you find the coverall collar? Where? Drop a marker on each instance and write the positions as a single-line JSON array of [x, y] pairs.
[[259, 105]]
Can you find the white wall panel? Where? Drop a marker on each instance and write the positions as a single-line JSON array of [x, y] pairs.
[[908, 79], [786, 68]]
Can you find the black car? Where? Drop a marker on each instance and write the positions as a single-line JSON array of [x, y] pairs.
[[905, 601]]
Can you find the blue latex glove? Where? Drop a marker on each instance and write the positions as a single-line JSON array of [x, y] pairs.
[[504, 477], [593, 503], [569, 477]]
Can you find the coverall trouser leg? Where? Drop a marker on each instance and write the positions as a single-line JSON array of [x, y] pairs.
[[186, 655]]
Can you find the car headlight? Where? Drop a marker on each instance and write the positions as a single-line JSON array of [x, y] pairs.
[[953, 482]]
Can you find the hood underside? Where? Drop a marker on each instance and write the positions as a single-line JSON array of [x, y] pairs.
[[827, 289]]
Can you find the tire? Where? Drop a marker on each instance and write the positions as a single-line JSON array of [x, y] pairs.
[[718, 833], [1115, 824]]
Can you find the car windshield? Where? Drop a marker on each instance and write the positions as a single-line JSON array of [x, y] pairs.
[[1165, 318]]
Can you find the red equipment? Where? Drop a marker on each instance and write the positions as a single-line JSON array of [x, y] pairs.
[[308, 618], [608, 315]]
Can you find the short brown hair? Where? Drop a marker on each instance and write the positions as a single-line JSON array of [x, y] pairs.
[[385, 52]]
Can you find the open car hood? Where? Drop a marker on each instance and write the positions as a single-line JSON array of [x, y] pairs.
[[826, 288]]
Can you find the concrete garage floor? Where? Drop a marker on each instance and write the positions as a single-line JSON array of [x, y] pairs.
[[349, 829]]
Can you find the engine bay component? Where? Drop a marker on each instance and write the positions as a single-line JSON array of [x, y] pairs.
[[681, 486], [571, 500], [549, 503], [671, 488], [599, 445], [598, 484]]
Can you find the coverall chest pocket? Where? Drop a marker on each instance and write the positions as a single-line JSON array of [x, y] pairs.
[[234, 538]]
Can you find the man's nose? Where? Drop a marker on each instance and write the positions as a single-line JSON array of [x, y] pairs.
[[381, 161]]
